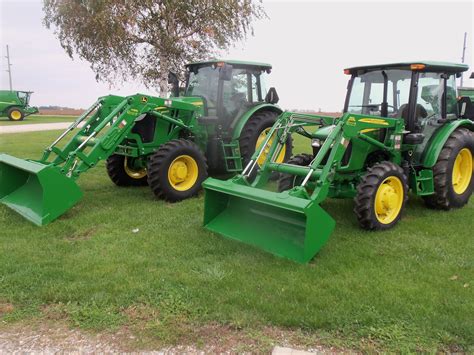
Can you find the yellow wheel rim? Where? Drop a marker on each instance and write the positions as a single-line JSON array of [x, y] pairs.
[[389, 200], [261, 138], [462, 171], [133, 173], [16, 115], [183, 173]]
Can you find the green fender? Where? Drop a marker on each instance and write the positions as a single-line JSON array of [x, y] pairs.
[[247, 115], [441, 136]]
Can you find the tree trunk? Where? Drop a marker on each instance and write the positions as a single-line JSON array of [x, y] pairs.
[[163, 79]]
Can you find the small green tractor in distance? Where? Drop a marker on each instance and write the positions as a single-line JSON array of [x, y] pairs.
[[403, 128], [170, 144], [15, 105]]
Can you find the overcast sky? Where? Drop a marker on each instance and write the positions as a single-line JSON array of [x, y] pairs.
[[309, 44]]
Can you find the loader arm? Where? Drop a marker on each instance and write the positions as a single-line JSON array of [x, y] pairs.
[[344, 129], [111, 122], [42, 190]]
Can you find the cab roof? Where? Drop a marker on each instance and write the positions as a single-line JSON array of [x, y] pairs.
[[237, 63], [429, 66]]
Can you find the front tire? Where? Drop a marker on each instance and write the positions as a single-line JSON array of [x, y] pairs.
[[122, 172], [381, 196], [452, 173], [15, 114], [176, 170], [288, 181], [254, 133]]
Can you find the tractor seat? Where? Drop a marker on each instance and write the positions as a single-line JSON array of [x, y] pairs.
[[466, 108], [413, 138], [420, 112], [208, 120]]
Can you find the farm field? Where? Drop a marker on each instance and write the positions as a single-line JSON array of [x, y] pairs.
[[121, 259]]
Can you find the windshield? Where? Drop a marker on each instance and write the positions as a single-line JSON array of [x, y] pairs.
[[204, 83], [367, 92], [23, 96]]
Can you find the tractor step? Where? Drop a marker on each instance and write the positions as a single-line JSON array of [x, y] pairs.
[[232, 158]]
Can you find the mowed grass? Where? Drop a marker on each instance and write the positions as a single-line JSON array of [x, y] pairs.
[[4, 121], [120, 252]]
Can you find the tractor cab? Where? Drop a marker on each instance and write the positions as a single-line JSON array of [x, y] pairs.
[[229, 88], [422, 93], [24, 97]]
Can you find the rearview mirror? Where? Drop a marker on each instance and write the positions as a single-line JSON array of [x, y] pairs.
[[225, 72], [272, 96]]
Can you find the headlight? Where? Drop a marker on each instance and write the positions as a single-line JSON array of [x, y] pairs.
[[316, 143]]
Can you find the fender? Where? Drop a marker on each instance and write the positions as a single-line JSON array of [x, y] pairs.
[[439, 139], [242, 120]]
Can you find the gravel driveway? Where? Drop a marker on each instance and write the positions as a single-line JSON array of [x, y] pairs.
[[34, 127]]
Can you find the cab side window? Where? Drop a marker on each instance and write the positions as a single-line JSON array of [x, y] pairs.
[[430, 93], [451, 97], [235, 92]]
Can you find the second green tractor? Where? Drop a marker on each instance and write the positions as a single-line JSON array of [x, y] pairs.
[[403, 129]]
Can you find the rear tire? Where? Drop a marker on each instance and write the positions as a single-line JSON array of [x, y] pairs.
[[176, 170], [449, 193], [288, 181], [251, 132], [381, 196], [120, 172], [15, 114]]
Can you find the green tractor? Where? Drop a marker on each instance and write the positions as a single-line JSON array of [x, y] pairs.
[[15, 104], [402, 129], [170, 144]]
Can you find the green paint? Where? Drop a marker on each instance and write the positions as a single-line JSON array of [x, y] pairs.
[[440, 137], [284, 225], [38, 192], [430, 66], [243, 119]]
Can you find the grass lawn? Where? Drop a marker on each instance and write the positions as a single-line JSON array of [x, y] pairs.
[[4, 121], [410, 288]]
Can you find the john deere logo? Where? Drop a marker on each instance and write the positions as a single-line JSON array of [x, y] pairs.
[[133, 112], [144, 99], [351, 121], [377, 121]]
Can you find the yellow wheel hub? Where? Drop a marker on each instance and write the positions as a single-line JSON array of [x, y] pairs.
[[389, 200], [133, 173], [183, 173], [462, 171], [261, 138], [16, 115]]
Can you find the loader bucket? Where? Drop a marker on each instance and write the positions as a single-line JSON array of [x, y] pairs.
[[279, 223], [38, 192]]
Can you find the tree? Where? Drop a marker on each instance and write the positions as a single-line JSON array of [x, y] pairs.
[[144, 39]]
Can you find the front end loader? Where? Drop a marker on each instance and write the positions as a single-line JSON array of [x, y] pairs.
[[402, 129], [170, 144]]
